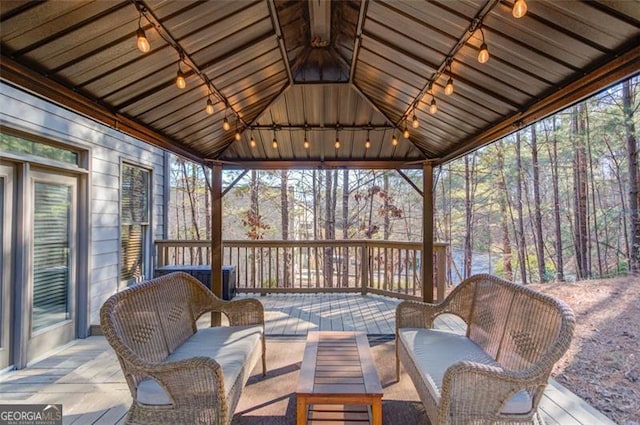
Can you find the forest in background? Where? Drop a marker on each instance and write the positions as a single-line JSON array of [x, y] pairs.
[[556, 200]]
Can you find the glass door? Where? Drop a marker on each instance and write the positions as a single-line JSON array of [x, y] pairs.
[[52, 262], [6, 293]]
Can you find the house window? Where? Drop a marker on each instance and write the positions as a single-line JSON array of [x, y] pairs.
[[18, 145], [134, 223]]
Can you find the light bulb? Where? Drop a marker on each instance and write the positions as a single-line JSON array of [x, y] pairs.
[[367, 144], [225, 124], [405, 132], [237, 136], [483, 55], [274, 143], [394, 140], [337, 145], [519, 8], [209, 107], [180, 81], [143, 42], [252, 142], [306, 143], [414, 122], [448, 89], [433, 107]]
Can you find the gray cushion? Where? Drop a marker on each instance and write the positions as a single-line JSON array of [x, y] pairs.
[[231, 347], [433, 351]]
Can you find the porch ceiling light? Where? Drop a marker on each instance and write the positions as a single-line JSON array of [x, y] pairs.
[[394, 140], [237, 136], [274, 143], [252, 142], [405, 132], [143, 43], [433, 106], [414, 121], [448, 89], [337, 144], [209, 107], [519, 9], [181, 82], [225, 124], [483, 55]]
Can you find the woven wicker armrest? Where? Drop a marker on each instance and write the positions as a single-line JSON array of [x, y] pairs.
[[484, 389], [415, 314], [243, 312]]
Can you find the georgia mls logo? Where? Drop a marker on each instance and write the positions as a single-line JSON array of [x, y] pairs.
[[31, 414]]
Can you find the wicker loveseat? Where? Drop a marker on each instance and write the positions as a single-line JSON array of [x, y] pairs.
[[178, 374], [496, 372]]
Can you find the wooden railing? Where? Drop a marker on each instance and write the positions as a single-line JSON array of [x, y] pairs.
[[388, 268]]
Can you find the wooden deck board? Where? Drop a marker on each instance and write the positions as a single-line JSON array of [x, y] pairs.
[[86, 377]]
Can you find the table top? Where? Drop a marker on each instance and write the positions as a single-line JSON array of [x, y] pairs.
[[337, 362]]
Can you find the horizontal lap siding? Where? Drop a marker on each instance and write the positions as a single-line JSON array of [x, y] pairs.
[[107, 148]]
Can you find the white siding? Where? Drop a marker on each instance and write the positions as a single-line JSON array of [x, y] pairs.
[[107, 148]]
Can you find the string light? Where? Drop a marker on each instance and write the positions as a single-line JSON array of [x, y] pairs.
[[143, 43], [225, 124], [252, 142], [483, 55], [448, 89], [237, 136], [394, 140], [519, 9], [306, 143], [337, 144], [433, 107], [414, 121], [181, 82], [209, 107], [274, 143], [405, 132]]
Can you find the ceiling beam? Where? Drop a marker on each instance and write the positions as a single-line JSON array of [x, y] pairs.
[[58, 93], [144, 9], [278, 31], [311, 164], [475, 23], [339, 127], [356, 46], [625, 65]]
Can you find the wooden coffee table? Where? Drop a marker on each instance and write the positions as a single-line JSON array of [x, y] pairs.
[[338, 380]]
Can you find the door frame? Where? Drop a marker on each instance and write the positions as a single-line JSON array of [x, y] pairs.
[[60, 333], [7, 331], [20, 263]]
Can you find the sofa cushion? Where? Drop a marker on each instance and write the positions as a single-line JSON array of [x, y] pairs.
[[230, 346], [433, 351]]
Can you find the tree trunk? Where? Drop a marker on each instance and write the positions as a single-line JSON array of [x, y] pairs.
[[284, 204], [469, 177], [345, 226], [521, 241], [329, 229], [504, 219], [592, 180], [556, 201], [634, 175], [387, 223], [542, 272], [580, 194]]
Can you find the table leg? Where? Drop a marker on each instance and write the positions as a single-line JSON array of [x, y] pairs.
[[301, 410], [376, 411]]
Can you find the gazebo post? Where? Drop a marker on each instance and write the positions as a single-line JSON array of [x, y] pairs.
[[216, 237], [427, 232]]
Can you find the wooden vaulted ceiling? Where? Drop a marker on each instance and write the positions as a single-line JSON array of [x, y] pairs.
[[350, 70]]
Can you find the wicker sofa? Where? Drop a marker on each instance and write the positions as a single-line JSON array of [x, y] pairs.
[[496, 372], [178, 374]]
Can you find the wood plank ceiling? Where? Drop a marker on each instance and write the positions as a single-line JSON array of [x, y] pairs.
[[342, 70]]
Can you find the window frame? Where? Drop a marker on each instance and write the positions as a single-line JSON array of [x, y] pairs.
[[147, 225]]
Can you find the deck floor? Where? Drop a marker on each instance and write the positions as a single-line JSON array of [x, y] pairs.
[[86, 378]]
